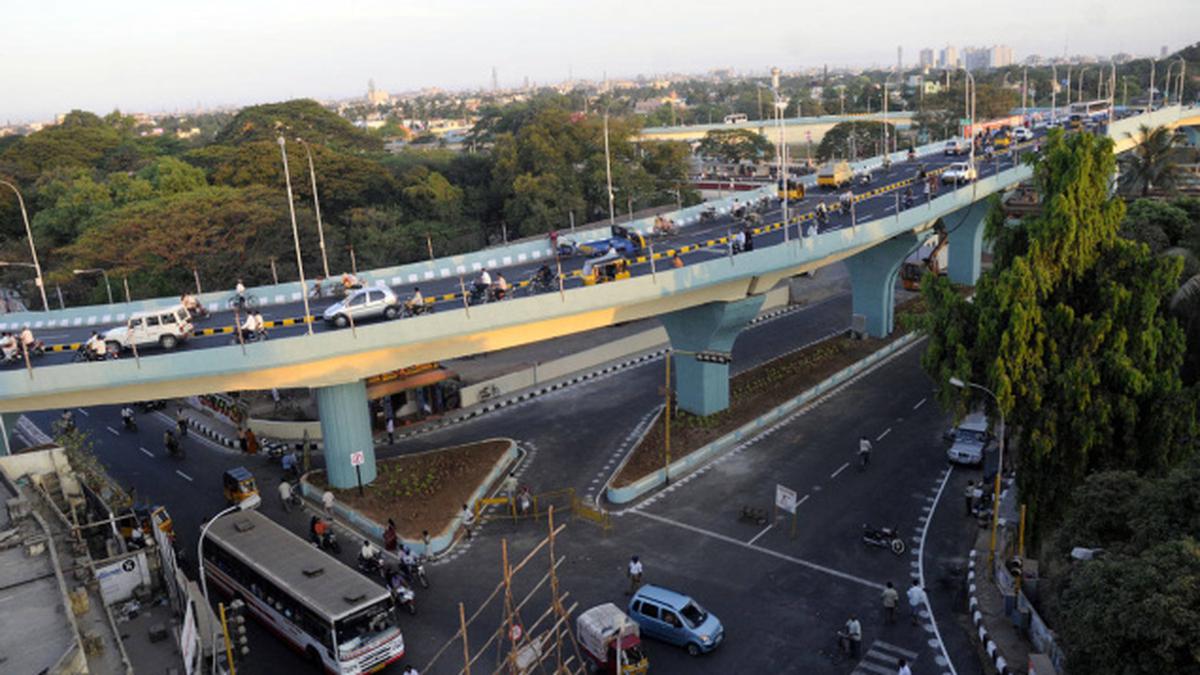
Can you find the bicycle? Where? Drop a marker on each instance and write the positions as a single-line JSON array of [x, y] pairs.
[[242, 302]]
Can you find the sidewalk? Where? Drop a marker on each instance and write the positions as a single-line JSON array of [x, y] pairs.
[[1006, 648]]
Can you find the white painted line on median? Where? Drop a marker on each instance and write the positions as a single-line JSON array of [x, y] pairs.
[[764, 531], [919, 404], [83, 412], [885, 433], [183, 475], [921, 574], [113, 431], [840, 469], [802, 500], [774, 554], [148, 453]]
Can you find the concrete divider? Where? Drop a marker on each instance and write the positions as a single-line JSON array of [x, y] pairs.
[[726, 443], [437, 543]]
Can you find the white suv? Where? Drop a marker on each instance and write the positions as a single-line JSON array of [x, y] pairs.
[[164, 328], [1022, 134], [959, 172]]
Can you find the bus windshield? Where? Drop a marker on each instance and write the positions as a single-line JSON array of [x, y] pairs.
[[365, 627]]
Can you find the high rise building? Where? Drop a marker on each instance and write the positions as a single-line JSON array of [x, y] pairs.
[[1001, 56], [949, 57], [899, 58], [495, 80], [977, 58], [1162, 52], [927, 58]]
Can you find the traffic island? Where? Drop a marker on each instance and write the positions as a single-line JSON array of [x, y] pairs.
[[758, 397], [420, 492]]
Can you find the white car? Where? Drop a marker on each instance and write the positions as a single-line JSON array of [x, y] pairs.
[[1022, 134], [971, 440], [957, 146], [369, 302], [959, 172], [165, 328]]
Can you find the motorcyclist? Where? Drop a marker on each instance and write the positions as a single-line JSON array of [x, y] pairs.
[[192, 305], [30, 343], [8, 347], [97, 350], [171, 443], [482, 282], [544, 277], [127, 417], [822, 213], [368, 554], [908, 197], [846, 199], [248, 327], [260, 326], [416, 302], [500, 286], [67, 420], [288, 461]]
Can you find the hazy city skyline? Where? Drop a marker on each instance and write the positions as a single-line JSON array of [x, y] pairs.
[[162, 56]]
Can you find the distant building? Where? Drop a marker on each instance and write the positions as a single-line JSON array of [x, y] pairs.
[[926, 58], [1001, 56], [949, 58], [1162, 52], [375, 96]]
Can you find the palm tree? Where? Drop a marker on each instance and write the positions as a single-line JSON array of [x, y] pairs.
[[1150, 165]]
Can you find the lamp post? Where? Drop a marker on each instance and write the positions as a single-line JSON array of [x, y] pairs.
[[612, 218], [883, 129], [94, 270], [1068, 86], [1024, 95], [248, 503], [41, 283], [969, 104], [295, 235], [1053, 94], [1182, 68], [1150, 97], [1081, 72], [316, 207], [780, 106], [999, 465], [1167, 81]]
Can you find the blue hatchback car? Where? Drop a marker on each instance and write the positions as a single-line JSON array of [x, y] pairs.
[[675, 618]]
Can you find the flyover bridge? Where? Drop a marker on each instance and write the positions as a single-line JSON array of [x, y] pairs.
[[703, 306]]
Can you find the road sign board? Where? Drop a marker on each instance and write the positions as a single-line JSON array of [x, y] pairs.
[[785, 498], [357, 458], [514, 633]]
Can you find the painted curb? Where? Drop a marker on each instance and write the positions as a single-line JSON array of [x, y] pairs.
[[989, 645], [729, 441], [444, 539]]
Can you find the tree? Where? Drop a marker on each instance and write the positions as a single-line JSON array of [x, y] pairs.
[[1072, 331], [853, 139], [736, 145], [303, 118], [171, 176], [1150, 165]]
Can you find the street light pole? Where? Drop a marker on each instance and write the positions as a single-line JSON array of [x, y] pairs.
[[1053, 94], [316, 206], [612, 218], [1081, 72], [295, 235], [248, 503], [1182, 68], [37, 266], [999, 466], [93, 270], [1150, 97]]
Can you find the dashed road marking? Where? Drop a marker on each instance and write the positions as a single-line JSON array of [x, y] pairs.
[[885, 433], [775, 554], [183, 475], [147, 452], [83, 412], [764, 531], [919, 404], [840, 469], [113, 431]]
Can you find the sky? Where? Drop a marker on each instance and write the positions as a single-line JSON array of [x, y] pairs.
[[172, 55]]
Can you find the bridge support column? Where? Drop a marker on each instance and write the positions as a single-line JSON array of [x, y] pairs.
[[873, 274], [964, 227], [346, 429], [702, 338]]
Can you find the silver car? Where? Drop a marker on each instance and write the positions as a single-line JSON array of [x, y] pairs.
[[361, 304]]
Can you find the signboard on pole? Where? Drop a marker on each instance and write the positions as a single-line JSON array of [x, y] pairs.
[[785, 498], [357, 458]]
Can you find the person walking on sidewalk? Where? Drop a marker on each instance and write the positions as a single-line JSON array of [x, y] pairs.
[[969, 495], [891, 597], [864, 452], [391, 430], [916, 598], [635, 575]]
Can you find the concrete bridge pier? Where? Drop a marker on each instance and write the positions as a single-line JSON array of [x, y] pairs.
[[702, 338], [964, 227], [346, 429], [873, 276]]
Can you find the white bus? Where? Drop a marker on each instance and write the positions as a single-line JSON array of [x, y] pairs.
[[736, 118], [326, 610]]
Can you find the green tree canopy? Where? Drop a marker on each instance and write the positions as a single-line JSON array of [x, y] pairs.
[[862, 138], [303, 118], [736, 145], [1072, 331]]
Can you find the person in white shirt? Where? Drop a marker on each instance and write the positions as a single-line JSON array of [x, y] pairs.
[[864, 450], [635, 574], [96, 345], [501, 285], [327, 500], [416, 301], [27, 339], [285, 495], [248, 327], [483, 280], [904, 669], [916, 598], [854, 633], [468, 520], [260, 326], [368, 551]]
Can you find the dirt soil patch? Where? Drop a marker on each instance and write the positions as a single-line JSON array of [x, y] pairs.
[[424, 491], [754, 392]]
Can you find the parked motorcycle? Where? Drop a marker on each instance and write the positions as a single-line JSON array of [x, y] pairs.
[[883, 537]]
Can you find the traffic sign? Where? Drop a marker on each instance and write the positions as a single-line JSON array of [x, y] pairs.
[[785, 498], [357, 458], [514, 633]]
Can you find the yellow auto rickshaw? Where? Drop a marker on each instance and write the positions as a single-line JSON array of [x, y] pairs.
[[606, 271], [239, 485], [794, 191]]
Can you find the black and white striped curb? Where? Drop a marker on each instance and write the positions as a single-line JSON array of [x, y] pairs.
[[619, 457], [989, 645]]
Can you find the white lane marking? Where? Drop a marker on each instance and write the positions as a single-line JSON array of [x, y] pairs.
[[764, 531], [113, 431], [802, 500], [921, 574], [775, 554], [840, 469], [885, 433], [183, 475], [83, 412], [919, 404], [148, 453]]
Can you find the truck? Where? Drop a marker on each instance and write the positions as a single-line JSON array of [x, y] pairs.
[[611, 641], [929, 256], [834, 175]]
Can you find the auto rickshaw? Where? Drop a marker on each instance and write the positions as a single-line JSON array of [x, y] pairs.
[[794, 191], [611, 641], [239, 485], [148, 517], [606, 271]]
